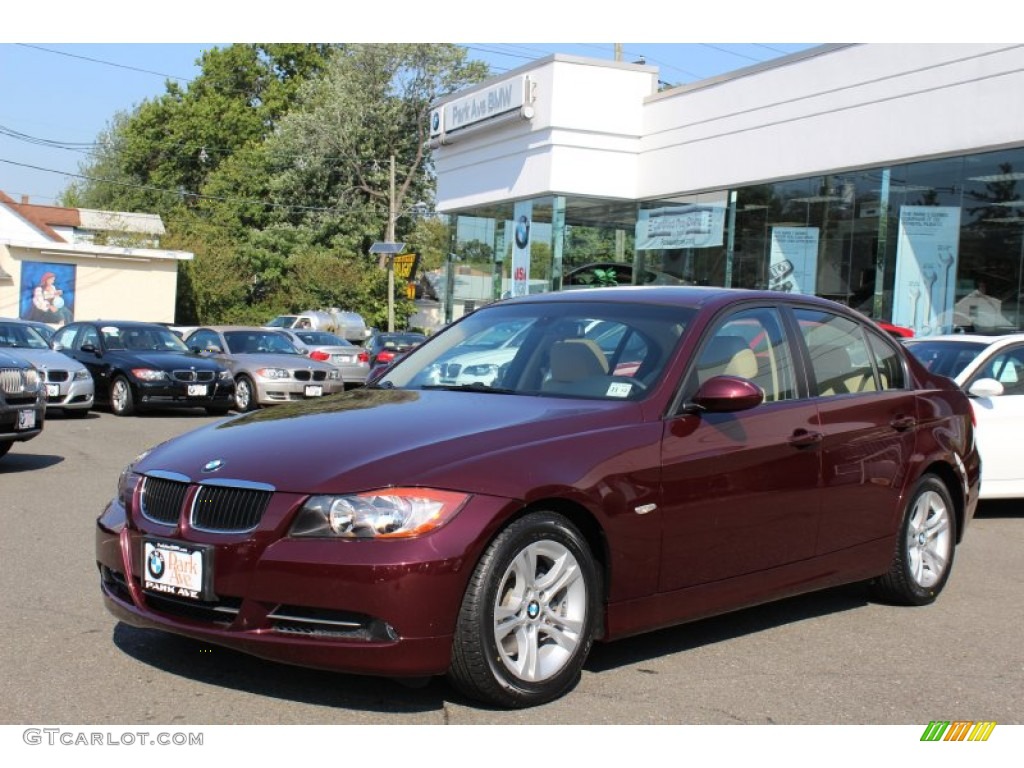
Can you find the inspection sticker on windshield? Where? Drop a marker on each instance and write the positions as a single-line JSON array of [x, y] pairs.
[[619, 389], [173, 569]]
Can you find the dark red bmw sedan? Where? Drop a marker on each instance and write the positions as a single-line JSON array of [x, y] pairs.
[[644, 457]]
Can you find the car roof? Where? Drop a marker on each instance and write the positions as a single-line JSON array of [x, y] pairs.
[[977, 338]]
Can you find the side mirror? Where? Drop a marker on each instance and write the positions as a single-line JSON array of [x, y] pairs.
[[91, 348], [986, 388], [728, 394]]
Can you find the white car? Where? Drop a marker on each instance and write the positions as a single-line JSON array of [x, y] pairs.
[[991, 370]]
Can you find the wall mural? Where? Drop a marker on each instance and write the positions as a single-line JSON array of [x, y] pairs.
[[47, 292]]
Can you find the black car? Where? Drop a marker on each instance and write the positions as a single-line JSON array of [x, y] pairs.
[[22, 401], [138, 365]]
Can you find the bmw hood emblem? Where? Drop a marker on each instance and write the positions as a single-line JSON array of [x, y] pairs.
[[213, 465]]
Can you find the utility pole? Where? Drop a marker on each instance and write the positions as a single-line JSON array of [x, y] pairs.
[[391, 256]]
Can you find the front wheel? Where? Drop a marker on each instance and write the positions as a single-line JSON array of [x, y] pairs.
[[245, 395], [122, 400], [924, 551], [528, 618]]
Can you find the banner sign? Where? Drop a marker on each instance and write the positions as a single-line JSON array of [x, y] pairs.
[[521, 227], [680, 226]]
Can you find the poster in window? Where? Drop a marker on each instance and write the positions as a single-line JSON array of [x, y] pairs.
[[793, 264], [523, 215], [926, 260]]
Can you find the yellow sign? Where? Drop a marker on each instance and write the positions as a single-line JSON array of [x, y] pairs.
[[405, 265]]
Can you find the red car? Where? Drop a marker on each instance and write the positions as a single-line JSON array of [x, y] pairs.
[[756, 447]]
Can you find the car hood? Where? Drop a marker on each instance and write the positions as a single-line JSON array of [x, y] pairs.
[[274, 360], [49, 359], [163, 360], [371, 438]]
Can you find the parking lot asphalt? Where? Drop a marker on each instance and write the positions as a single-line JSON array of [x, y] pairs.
[[827, 658]]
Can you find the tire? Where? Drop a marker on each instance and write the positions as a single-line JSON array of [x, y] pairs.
[[122, 399], [925, 547], [515, 644], [245, 395]]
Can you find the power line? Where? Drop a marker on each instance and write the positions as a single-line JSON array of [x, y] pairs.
[[101, 61]]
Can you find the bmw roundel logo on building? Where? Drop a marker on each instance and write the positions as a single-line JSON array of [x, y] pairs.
[[155, 564], [435, 121], [522, 232]]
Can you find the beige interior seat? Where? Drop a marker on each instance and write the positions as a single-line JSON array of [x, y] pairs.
[[572, 361], [727, 356]]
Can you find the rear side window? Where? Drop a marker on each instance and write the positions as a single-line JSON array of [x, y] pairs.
[[889, 364], [841, 361]]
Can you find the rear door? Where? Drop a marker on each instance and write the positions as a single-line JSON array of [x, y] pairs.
[[868, 421]]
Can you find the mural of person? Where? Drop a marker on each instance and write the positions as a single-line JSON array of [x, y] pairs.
[[48, 302]]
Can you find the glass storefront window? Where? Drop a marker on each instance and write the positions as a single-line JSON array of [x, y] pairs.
[[935, 245]]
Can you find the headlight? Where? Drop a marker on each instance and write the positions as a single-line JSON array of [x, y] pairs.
[[148, 374], [82, 374], [273, 373], [386, 513], [224, 375], [126, 485]]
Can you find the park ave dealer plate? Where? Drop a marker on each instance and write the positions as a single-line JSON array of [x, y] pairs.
[[176, 570]]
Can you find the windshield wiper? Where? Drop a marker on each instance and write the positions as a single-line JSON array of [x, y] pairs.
[[475, 386]]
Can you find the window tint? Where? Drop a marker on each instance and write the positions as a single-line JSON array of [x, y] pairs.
[[888, 363], [840, 359], [750, 344]]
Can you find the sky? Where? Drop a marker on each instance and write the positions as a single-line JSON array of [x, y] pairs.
[[60, 86], [56, 98]]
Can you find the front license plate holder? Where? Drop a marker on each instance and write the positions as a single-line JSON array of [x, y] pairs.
[[177, 570], [53, 390], [26, 419], [197, 390], [314, 390]]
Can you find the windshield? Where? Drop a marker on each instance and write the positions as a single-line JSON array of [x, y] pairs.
[[259, 342], [562, 349], [22, 336], [947, 358], [282, 321], [144, 338]]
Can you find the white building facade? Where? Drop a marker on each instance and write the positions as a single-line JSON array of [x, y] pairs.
[[889, 177]]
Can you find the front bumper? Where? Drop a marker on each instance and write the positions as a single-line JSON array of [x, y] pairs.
[[70, 394], [161, 394], [275, 391], [365, 607]]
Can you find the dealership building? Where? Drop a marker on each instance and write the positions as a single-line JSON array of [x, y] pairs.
[[889, 177]]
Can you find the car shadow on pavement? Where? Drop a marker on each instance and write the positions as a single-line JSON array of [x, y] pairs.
[[717, 629], [27, 462], [994, 508], [224, 667]]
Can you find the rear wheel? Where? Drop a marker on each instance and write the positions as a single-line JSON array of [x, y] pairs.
[[924, 551], [245, 395], [122, 400], [528, 618]]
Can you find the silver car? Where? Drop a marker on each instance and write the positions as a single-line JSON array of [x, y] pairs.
[[352, 360], [68, 384], [268, 368]]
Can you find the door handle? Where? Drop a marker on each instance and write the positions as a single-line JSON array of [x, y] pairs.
[[903, 423], [803, 438]]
